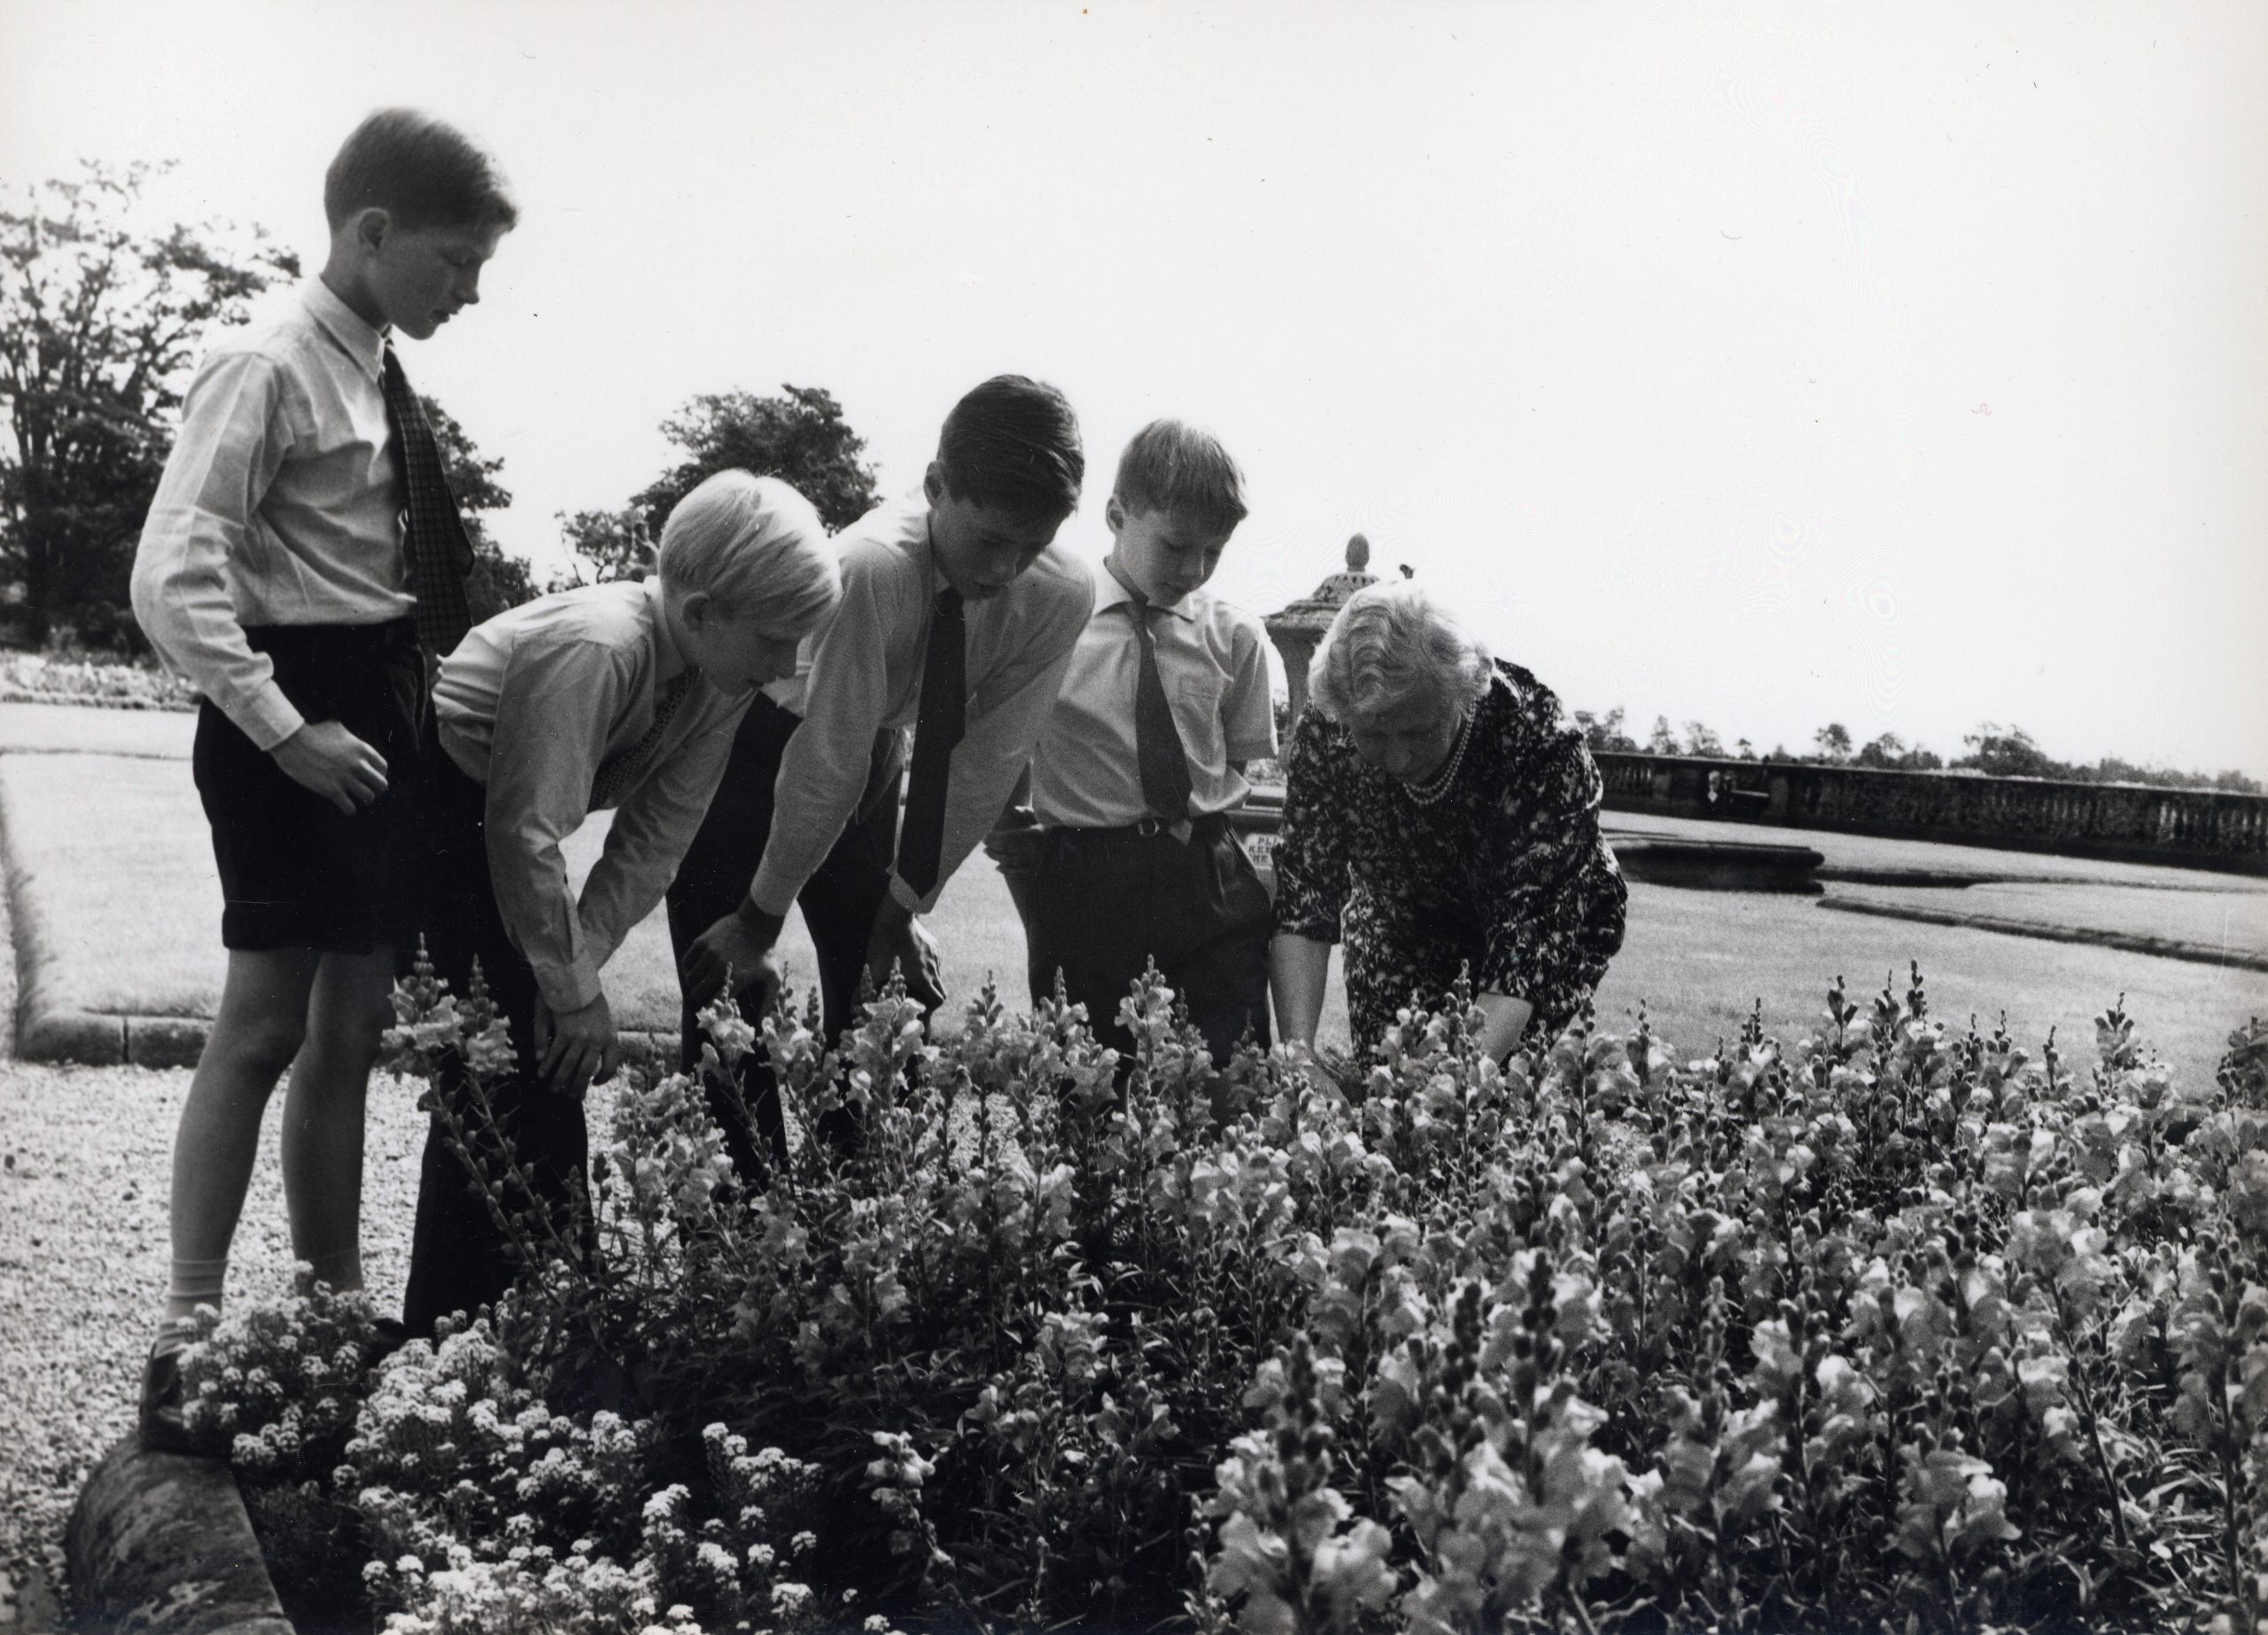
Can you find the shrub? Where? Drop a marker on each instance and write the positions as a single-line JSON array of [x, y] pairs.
[[80, 678], [1897, 1326]]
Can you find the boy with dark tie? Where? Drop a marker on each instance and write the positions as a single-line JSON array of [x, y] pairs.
[[958, 615], [1165, 701]]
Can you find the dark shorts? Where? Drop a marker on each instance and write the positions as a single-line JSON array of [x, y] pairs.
[[295, 871]]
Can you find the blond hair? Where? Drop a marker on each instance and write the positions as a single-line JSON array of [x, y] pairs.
[[755, 546]]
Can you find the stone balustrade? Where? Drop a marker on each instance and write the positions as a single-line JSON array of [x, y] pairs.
[[2206, 828]]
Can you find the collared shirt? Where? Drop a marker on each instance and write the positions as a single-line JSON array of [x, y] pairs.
[[280, 505], [531, 704], [863, 674], [1213, 661]]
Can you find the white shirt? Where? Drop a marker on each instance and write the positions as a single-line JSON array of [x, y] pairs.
[[1212, 662], [531, 704], [863, 673], [280, 505]]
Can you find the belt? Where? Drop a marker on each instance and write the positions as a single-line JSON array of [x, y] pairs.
[[387, 636], [1149, 829]]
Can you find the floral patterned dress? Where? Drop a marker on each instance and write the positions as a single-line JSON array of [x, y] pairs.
[[1505, 871]]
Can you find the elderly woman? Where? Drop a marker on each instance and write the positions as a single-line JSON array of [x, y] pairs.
[[1442, 815]]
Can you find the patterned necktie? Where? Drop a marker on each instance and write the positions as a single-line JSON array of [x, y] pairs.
[[616, 774], [433, 540], [1157, 741], [936, 729]]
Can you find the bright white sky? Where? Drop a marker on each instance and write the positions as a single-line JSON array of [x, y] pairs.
[[1901, 365]]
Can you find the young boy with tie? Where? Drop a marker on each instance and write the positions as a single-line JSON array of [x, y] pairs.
[[622, 695], [958, 615], [1165, 701], [301, 560]]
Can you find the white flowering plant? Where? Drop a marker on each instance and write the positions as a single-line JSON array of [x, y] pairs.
[[1895, 1327]]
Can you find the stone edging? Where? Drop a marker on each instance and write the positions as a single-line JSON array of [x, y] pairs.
[[98, 1039], [2126, 942], [159, 1544]]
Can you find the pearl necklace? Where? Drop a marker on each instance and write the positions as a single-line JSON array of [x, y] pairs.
[[1432, 788]]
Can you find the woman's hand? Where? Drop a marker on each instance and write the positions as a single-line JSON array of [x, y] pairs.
[[1301, 1054], [1506, 1020]]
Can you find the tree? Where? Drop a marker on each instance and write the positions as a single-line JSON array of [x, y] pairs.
[[1661, 741], [614, 544], [2000, 751], [498, 580], [101, 319], [1702, 740], [800, 437], [1834, 742], [1891, 752], [1604, 732]]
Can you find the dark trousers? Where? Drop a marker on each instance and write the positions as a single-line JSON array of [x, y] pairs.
[[839, 904], [1107, 901], [459, 1259]]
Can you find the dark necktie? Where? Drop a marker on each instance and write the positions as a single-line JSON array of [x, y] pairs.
[[433, 540], [1157, 741], [615, 775], [936, 729]]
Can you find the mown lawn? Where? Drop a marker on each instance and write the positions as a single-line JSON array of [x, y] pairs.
[[118, 867]]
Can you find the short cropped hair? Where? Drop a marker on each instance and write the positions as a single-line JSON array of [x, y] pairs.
[[1392, 644], [1181, 469], [1014, 443], [422, 171], [755, 546]]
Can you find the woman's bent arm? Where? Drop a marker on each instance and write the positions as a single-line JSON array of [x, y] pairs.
[[1298, 968]]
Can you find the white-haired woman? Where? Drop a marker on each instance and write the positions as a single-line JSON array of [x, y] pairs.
[[1441, 815]]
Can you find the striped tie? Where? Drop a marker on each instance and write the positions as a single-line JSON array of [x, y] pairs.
[[620, 770], [433, 540]]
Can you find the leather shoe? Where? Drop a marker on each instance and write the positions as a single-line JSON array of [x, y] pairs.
[[387, 1336], [164, 1427]]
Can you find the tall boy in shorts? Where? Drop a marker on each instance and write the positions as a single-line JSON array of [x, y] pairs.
[[302, 561], [959, 614], [621, 696], [1165, 701]]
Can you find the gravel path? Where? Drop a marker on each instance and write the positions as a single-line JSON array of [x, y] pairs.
[[83, 1158]]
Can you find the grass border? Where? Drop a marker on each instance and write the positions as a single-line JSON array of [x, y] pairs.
[[2125, 942]]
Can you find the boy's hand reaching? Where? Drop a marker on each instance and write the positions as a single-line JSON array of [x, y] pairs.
[[576, 1047], [324, 757], [900, 940], [737, 946]]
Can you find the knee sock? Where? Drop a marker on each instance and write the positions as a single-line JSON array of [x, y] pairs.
[[194, 1283]]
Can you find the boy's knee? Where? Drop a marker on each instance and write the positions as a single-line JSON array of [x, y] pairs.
[[263, 1043]]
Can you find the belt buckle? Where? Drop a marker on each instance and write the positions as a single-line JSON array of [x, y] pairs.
[[1147, 827]]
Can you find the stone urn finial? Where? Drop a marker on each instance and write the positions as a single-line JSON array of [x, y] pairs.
[[1297, 628]]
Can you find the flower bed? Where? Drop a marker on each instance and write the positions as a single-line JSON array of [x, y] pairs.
[[117, 684], [1895, 1327]]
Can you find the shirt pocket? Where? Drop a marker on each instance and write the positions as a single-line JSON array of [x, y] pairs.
[[1196, 701]]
